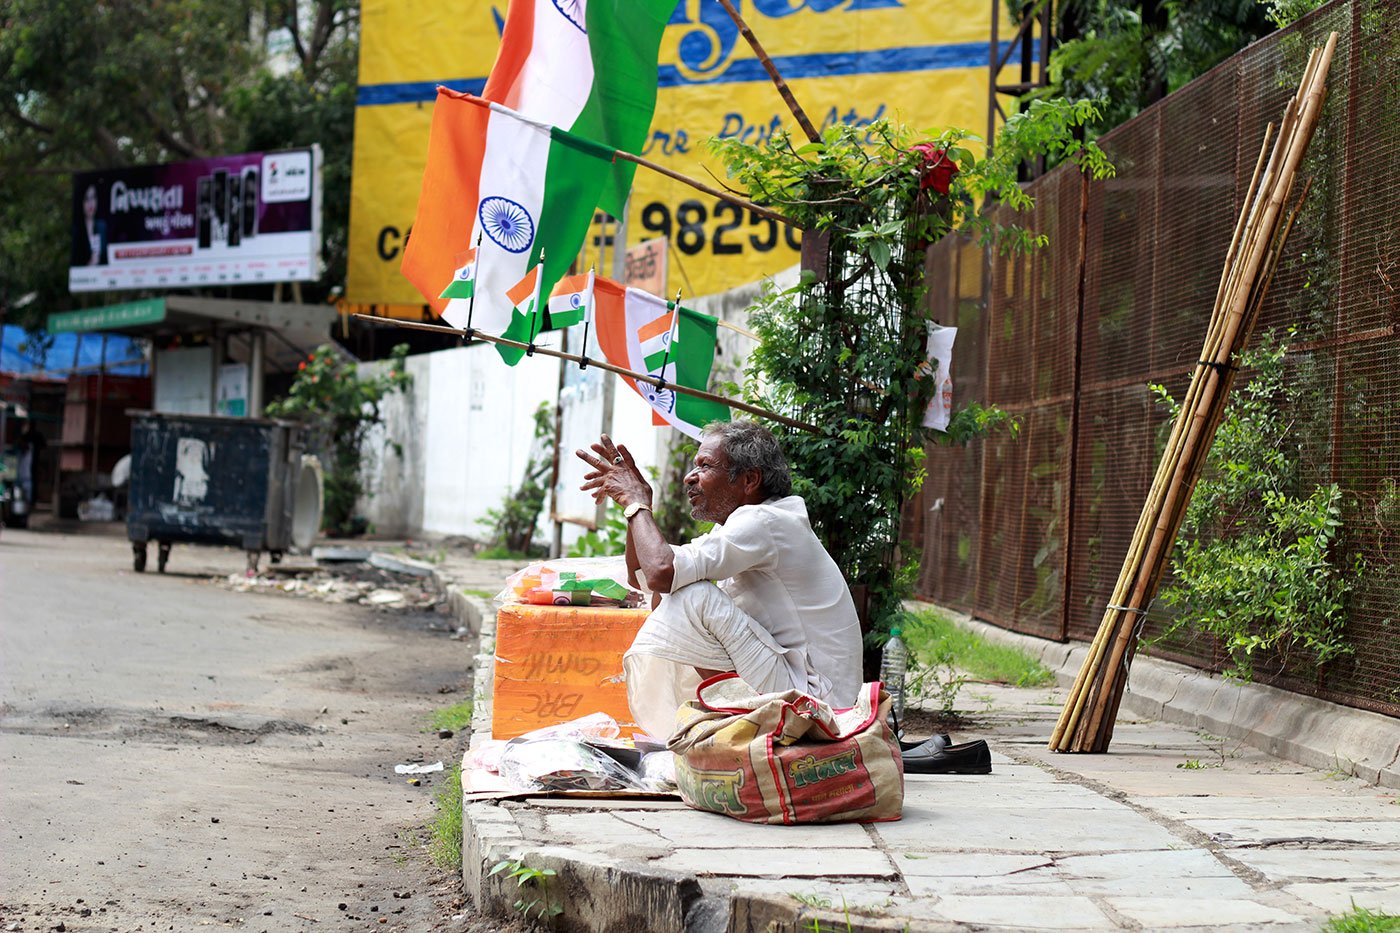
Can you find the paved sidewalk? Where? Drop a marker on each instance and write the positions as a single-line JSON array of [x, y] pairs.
[[1173, 829]]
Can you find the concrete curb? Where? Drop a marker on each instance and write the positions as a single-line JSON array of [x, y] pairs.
[[1299, 728]]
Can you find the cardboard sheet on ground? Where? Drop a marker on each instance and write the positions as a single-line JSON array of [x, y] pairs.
[[584, 757], [480, 784]]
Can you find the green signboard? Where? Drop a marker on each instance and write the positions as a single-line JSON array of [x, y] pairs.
[[108, 317]]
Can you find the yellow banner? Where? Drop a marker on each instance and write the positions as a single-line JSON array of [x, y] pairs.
[[850, 61]]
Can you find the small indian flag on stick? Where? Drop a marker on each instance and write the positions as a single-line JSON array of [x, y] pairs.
[[571, 300], [641, 332], [463, 278], [527, 316]]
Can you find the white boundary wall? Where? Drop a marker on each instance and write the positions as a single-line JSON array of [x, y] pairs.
[[466, 427]]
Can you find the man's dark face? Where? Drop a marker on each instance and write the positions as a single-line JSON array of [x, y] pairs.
[[713, 495]]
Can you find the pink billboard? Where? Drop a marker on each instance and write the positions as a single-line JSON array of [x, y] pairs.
[[230, 220]]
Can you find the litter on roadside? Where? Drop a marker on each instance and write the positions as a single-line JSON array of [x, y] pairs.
[[418, 769], [583, 755]]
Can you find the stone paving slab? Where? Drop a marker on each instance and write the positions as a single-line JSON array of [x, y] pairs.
[[1287, 831], [1031, 911], [1323, 865], [1338, 896], [1300, 806], [1214, 913]]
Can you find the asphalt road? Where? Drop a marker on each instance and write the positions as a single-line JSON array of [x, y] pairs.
[[175, 755]]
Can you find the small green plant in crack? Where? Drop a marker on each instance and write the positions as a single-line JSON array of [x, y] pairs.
[[1341, 770], [811, 900], [1216, 744], [1192, 764], [540, 905], [456, 717]]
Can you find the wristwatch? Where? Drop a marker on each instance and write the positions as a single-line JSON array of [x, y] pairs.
[[634, 508]]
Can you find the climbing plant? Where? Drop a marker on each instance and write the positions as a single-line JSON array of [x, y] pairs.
[[1259, 562], [845, 349]]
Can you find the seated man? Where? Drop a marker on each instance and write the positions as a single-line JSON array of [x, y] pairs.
[[778, 611]]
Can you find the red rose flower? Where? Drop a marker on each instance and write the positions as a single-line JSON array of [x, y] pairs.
[[938, 168]]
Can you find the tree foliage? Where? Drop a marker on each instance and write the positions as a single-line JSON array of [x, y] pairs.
[[88, 85], [339, 408], [1128, 54], [1259, 563]]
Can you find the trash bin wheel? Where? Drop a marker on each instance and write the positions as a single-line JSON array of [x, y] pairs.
[[138, 556], [253, 563], [163, 556], [275, 556]]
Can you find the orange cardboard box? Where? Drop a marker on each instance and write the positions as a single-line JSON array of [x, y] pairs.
[[556, 663]]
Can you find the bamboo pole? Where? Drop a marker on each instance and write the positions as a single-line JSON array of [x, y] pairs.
[[1251, 260], [772, 70], [474, 334], [713, 192]]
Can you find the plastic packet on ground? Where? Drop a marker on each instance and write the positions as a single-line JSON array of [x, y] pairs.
[[486, 756], [658, 770], [592, 726], [572, 581], [560, 764]]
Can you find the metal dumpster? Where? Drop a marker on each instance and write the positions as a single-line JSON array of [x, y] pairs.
[[207, 479]]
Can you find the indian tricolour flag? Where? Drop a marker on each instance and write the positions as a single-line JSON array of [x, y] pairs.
[[582, 74], [571, 300], [588, 66], [463, 284], [533, 187], [643, 333]]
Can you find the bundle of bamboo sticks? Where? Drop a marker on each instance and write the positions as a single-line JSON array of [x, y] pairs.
[[1086, 722]]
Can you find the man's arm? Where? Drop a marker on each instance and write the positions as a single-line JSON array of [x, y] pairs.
[[654, 556], [615, 475]]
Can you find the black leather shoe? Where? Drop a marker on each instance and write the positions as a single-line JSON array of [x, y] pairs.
[[967, 758], [937, 741]]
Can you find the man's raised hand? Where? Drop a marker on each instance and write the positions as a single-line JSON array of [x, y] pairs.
[[614, 474]]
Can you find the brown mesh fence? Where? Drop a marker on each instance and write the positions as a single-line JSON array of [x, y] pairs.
[[1030, 532]]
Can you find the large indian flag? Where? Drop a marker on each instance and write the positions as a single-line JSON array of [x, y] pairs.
[[646, 334], [527, 164]]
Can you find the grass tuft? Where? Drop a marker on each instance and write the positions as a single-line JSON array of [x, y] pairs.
[[930, 634], [456, 717], [1361, 920], [445, 846]]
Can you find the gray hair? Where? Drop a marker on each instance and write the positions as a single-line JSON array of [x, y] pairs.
[[751, 446]]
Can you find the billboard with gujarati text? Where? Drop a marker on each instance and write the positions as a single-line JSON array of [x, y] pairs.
[[851, 61], [229, 220]]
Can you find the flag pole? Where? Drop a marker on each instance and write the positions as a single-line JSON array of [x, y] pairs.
[[670, 340], [537, 314], [471, 299], [772, 70], [587, 320], [604, 365]]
